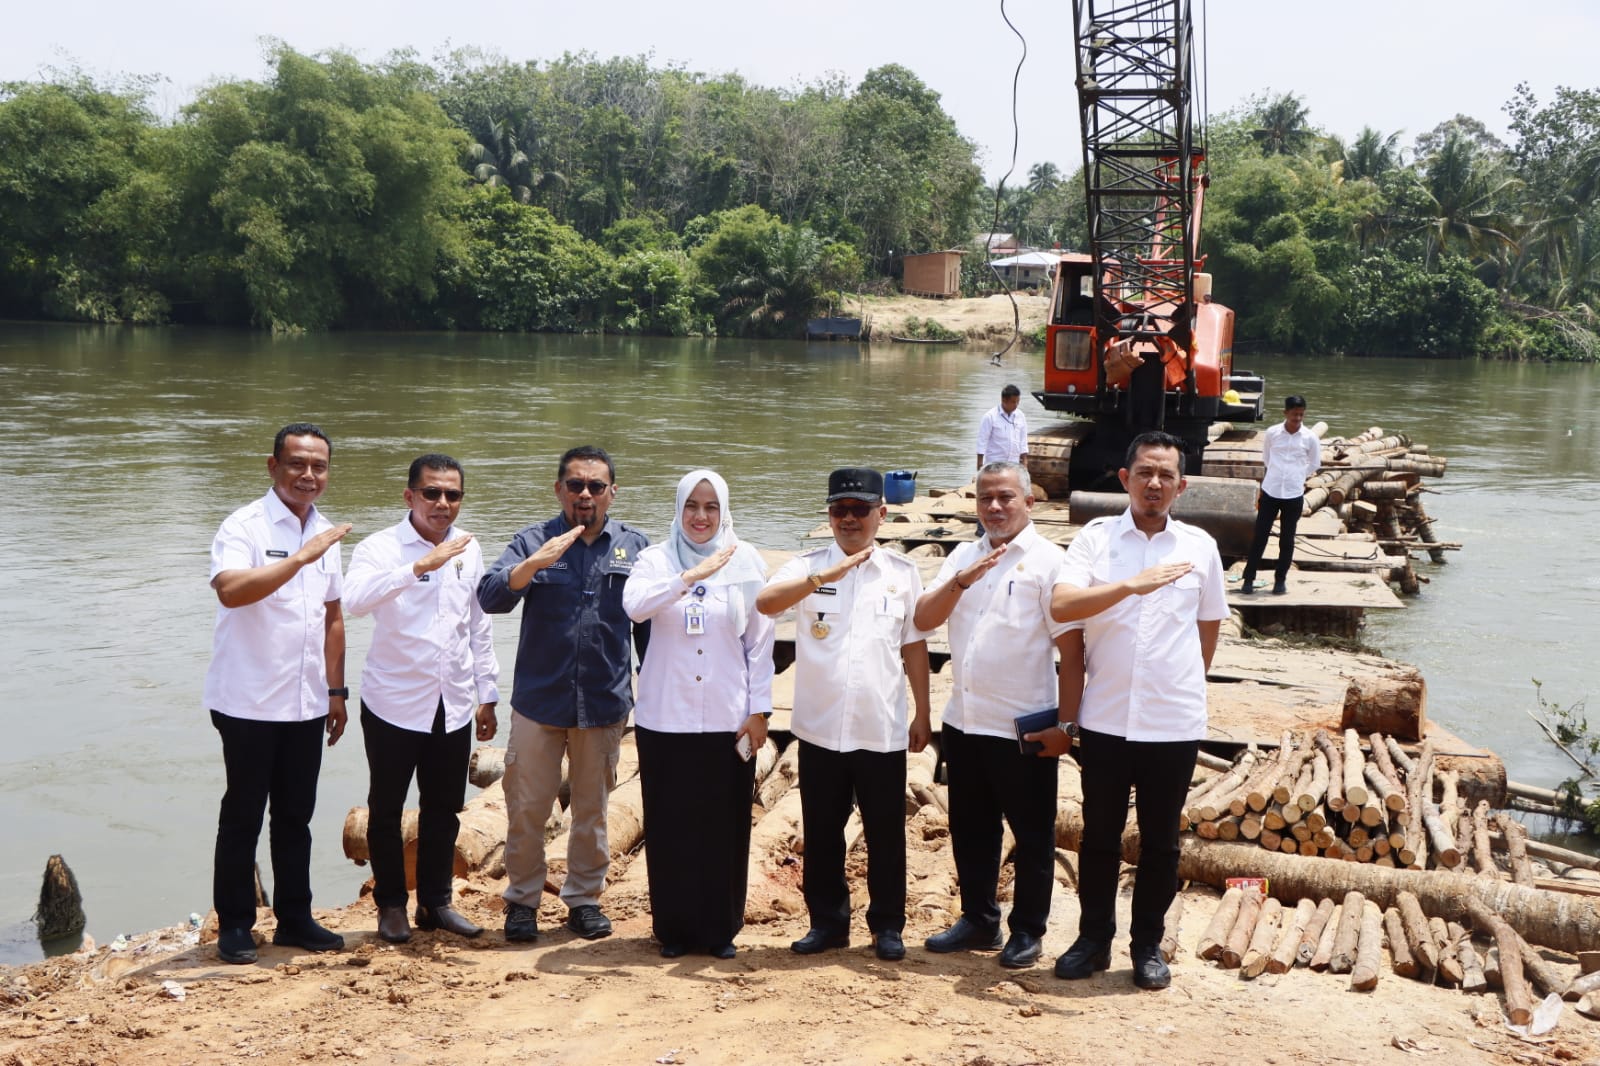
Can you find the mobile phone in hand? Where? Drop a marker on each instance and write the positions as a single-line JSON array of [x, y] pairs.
[[743, 746]]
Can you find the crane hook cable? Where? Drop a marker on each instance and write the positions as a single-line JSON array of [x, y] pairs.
[[999, 192]]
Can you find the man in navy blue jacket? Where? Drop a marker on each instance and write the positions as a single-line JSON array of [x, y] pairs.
[[572, 688]]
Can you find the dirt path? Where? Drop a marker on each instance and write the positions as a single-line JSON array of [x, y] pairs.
[[440, 1000]]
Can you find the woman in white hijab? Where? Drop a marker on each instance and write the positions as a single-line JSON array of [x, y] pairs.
[[704, 695]]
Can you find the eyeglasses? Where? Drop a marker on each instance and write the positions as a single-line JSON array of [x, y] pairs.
[[433, 492], [577, 485], [850, 509]]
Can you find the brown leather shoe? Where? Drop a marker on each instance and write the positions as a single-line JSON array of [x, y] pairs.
[[447, 918], [392, 925]]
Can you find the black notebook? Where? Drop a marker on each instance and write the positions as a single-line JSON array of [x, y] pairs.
[[1033, 722]]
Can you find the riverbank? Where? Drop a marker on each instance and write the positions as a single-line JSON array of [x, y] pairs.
[[164, 998], [978, 319]]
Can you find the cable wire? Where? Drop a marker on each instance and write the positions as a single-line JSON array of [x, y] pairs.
[[999, 193]]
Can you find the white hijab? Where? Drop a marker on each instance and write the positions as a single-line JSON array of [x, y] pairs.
[[744, 574]]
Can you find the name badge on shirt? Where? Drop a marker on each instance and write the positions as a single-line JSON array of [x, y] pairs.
[[277, 553], [694, 620], [426, 577]]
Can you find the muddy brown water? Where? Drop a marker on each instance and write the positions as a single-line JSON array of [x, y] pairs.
[[125, 449]]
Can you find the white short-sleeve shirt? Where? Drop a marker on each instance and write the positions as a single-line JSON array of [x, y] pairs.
[[1002, 437], [267, 658], [1002, 640], [1290, 459], [431, 640], [850, 685], [1146, 678]]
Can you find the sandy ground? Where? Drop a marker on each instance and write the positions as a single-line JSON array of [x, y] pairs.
[[442, 1000], [980, 318]]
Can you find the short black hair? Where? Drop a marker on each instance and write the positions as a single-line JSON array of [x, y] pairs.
[[1154, 438], [1010, 391], [1291, 402], [299, 429], [586, 451], [433, 461]]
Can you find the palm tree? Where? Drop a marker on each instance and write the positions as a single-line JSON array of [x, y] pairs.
[[500, 158], [1372, 155], [1467, 202], [1043, 178], [1282, 125]]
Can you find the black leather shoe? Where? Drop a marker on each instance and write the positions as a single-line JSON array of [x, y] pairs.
[[819, 940], [1022, 950], [448, 919], [522, 923], [236, 946], [888, 946], [1149, 968], [673, 951], [724, 951], [586, 920], [1248, 588], [1082, 959], [1280, 588], [392, 925], [964, 936], [306, 933]]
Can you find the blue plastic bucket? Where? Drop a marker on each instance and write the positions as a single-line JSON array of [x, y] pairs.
[[899, 486]]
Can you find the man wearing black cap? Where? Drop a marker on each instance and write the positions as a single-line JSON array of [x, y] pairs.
[[854, 636]]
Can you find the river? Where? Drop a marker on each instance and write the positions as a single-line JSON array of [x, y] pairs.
[[128, 447]]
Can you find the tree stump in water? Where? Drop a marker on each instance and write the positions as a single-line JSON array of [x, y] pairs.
[[60, 912]]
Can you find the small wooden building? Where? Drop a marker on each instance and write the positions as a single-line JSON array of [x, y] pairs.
[[935, 274]]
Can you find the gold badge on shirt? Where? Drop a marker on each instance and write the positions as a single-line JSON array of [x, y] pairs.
[[820, 629]]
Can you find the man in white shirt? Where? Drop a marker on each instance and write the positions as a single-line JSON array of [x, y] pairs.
[[854, 635], [1003, 433], [274, 687], [429, 674], [1148, 593], [995, 593], [1292, 454]]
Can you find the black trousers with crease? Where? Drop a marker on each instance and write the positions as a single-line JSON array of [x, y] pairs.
[[439, 761], [831, 782], [1287, 512]]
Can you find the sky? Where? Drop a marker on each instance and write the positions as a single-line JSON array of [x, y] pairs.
[[1402, 65]]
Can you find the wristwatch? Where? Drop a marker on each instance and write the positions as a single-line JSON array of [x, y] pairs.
[[343, 693], [816, 580], [1069, 728]]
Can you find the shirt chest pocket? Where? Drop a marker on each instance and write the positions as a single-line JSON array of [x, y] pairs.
[[1182, 597]]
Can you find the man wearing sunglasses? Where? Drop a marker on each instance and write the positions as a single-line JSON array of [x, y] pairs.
[[429, 674], [855, 643], [572, 688]]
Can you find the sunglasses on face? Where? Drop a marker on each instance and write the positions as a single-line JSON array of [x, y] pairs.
[[433, 492], [577, 485], [850, 509]]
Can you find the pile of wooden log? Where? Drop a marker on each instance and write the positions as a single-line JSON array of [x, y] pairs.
[[1374, 482], [1330, 796], [1257, 935]]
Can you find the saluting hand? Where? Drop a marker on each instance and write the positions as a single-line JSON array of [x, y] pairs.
[[317, 546], [712, 563], [974, 573], [1147, 581], [849, 563], [441, 554], [554, 548]]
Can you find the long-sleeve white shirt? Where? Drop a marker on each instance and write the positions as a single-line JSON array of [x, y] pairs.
[[431, 640], [696, 682], [268, 660], [1290, 459]]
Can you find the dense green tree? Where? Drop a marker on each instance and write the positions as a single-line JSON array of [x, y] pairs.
[[82, 213], [323, 194]]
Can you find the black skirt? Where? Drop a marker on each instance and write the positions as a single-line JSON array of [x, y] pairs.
[[697, 794]]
